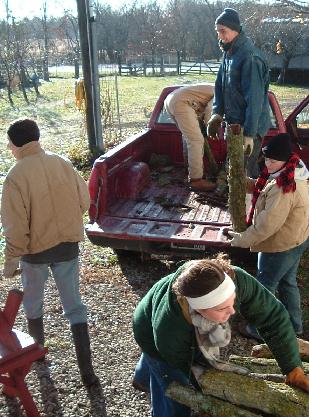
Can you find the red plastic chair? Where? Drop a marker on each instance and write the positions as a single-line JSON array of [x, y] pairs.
[[18, 351]]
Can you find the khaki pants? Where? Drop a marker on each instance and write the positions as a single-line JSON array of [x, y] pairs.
[[187, 122]]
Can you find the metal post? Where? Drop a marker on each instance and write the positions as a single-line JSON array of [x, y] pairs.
[[90, 74], [95, 77]]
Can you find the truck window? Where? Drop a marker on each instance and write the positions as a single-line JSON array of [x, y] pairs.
[[273, 120], [302, 119], [165, 118]]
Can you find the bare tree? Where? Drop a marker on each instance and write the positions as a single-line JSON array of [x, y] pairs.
[[6, 53], [296, 6], [19, 47], [45, 35], [113, 31], [148, 32], [68, 31]]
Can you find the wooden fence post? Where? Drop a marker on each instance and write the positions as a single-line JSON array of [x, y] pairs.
[[161, 65], [119, 63], [178, 63]]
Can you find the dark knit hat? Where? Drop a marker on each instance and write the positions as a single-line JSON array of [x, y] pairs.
[[23, 131], [230, 19], [278, 148]]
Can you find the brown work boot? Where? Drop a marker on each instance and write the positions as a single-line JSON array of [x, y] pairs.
[[201, 184]]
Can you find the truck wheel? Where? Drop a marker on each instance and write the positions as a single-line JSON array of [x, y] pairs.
[[132, 254]]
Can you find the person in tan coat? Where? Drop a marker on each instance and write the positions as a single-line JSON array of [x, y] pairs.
[[188, 106], [43, 202], [278, 224]]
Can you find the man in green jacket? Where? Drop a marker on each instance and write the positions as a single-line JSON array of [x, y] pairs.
[[186, 313]]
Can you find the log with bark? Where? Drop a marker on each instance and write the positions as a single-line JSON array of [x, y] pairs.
[[261, 365], [262, 351], [275, 399], [213, 166], [200, 402], [236, 177]]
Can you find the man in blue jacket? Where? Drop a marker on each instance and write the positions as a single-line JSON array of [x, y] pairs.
[[241, 88]]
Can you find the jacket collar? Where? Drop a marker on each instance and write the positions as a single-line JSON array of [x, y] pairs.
[[30, 148], [237, 43]]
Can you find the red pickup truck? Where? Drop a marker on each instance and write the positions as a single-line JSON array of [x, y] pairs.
[[138, 206]]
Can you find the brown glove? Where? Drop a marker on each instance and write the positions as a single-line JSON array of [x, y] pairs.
[[11, 268], [213, 125], [248, 145], [298, 379]]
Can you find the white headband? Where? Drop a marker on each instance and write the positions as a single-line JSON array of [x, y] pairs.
[[215, 297]]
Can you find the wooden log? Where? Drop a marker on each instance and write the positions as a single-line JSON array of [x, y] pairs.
[[200, 402], [262, 351], [269, 397], [213, 166], [236, 178], [260, 365]]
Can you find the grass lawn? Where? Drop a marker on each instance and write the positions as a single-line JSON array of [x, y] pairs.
[[63, 127]]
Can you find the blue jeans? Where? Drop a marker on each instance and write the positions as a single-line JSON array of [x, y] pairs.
[[66, 275], [157, 375], [278, 272]]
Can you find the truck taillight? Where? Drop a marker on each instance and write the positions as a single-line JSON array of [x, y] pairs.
[[94, 192]]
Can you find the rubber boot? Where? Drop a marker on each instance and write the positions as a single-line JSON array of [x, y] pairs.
[[36, 329], [83, 353]]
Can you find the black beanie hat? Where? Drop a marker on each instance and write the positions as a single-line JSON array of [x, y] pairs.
[[230, 19], [278, 148], [23, 131]]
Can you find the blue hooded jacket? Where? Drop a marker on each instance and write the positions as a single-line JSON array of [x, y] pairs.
[[241, 88]]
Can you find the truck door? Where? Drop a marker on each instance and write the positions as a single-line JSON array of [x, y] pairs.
[[297, 125]]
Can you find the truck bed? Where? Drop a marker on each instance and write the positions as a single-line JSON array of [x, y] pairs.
[[166, 211], [172, 201]]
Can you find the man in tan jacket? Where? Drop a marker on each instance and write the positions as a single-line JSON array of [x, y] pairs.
[[43, 202], [188, 106]]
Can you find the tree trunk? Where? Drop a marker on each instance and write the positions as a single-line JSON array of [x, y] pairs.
[[22, 78], [200, 402], [153, 62], [260, 365], [269, 397], [76, 67], [46, 46], [236, 178], [283, 71], [262, 351], [10, 93], [36, 88]]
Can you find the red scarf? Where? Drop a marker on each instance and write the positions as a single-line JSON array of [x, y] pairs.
[[285, 181]]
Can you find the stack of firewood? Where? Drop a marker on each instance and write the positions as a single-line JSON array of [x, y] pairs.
[[260, 393]]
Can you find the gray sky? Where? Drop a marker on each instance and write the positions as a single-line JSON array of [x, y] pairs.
[[30, 8]]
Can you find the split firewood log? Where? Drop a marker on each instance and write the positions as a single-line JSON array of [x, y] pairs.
[[261, 365], [277, 399], [262, 351], [200, 402]]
